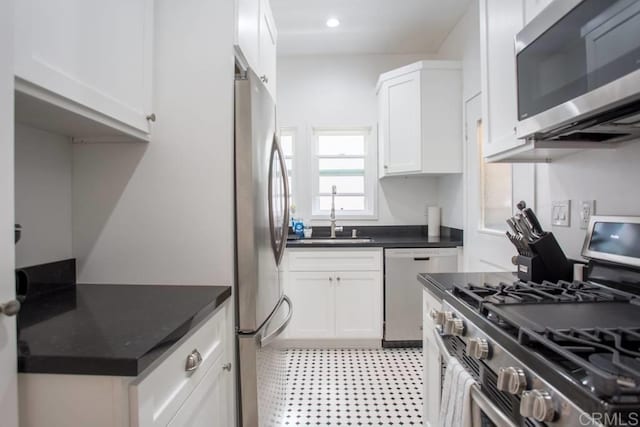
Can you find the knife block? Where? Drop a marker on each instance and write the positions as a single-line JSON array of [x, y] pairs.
[[548, 262]]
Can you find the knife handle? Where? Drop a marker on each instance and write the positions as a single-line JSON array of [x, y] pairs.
[[533, 219]]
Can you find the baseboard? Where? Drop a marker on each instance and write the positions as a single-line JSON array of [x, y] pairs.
[[329, 343], [402, 344]]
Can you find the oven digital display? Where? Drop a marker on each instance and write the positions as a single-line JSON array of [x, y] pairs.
[[616, 238]]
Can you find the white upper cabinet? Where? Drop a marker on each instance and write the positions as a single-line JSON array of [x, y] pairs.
[[533, 7], [256, 40], [500, 21], [85, 66], [420, 119], [247, 39], [268, 41]]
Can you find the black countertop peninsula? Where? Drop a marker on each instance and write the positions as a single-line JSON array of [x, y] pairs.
[[439, 283], [104, 329], [401, 236]]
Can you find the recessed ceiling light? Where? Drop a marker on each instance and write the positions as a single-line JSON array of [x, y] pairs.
[[332, 22]]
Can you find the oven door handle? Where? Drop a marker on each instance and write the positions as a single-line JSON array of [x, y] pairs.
[[441, 347], [480, 402]]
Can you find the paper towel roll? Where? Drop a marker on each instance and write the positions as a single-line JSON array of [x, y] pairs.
[[433, 221]]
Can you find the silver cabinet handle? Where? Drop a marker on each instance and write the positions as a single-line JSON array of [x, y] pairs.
[[330, 279], [227, 367], [151, 117], [264, 78], [338, 278], [193, 361], [10, 308]]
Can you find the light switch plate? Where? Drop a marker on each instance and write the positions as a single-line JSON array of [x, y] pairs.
[[561, 213], [587, 208]]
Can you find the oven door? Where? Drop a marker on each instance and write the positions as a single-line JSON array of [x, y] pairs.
[[485, 413]]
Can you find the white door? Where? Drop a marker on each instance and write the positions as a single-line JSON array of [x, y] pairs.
[[485, 249], [358, 302], [209, 404], [8, 363], [313, 295], [401, 124]]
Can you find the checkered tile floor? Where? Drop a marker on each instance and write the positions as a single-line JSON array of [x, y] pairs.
[[381, 387]]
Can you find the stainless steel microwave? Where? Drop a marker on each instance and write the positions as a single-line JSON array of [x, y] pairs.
[[578, 72]]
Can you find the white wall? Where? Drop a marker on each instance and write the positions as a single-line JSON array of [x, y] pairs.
[[162, 212], [340, 91], [610, 177], [43, 171], [462, 44]]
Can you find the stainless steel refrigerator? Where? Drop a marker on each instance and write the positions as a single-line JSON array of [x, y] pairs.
[[262, 216]]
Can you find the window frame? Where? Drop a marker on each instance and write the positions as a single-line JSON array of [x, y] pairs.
[[482, 227], [370, 173], [293, 133]]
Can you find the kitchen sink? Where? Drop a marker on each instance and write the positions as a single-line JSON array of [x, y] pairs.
[[337, 241]]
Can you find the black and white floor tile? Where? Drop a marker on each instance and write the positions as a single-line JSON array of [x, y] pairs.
[[354, 387]]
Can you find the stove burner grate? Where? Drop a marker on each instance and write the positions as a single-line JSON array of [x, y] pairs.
[[608, 357]]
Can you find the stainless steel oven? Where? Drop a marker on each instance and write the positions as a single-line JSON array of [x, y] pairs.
[[507, 393], [578, 72], [483, 410]]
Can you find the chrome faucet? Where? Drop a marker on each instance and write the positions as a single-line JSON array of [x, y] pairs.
[[333, 213]]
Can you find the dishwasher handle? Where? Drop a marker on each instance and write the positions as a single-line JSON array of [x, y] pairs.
[[425, 258]]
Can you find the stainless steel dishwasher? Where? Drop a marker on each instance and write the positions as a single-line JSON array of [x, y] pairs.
[[403, 292]]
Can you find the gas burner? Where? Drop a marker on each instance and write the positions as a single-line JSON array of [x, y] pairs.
[[531, 293], [607, 360]]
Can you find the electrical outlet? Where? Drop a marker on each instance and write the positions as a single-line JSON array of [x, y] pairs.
[[587, 208], [561, 213]]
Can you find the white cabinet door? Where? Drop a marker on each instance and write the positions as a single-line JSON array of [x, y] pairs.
[[431, 358], [500, 21], [533, 8], [400, 123], [210, 404], [358, 300], [268, 40], [8, 359], [94, 53], [313, 298], [247, 31]]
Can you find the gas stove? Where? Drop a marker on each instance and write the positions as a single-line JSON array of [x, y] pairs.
[[556, 353]]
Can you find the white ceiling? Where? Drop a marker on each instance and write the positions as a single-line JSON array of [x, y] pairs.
[[367, 26]]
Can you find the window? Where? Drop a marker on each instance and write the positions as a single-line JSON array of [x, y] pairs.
[[344, 158], [287, 142], [496, 195]]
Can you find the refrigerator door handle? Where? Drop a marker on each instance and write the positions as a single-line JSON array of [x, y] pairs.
[[278, 243], [265, 341]]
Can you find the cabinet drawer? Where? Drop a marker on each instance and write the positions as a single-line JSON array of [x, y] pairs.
[[329, 259], [156, 397]]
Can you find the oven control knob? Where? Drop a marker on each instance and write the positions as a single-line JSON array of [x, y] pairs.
[[453, 327], [537, 404], [440, 317], [478, 348], [511, 380]]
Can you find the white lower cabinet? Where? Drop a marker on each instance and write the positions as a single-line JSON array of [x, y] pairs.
[[431, 360], [165, 394], [334, 304]]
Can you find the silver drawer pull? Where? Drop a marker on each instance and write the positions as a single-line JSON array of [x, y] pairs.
[[193, 361], [227, 367]]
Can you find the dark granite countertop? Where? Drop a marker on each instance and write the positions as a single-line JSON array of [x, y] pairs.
[[383, 237], [109, 329], [439, 283]]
